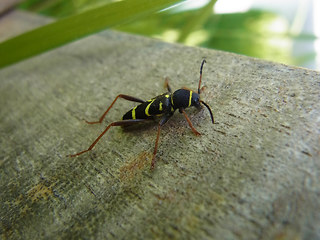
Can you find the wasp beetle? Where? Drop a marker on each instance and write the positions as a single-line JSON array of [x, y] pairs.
[[163, 105]]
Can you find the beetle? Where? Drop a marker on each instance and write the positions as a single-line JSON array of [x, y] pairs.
[[163, 105]]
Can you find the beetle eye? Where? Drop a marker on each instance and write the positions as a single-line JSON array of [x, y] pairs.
[[196, 100]]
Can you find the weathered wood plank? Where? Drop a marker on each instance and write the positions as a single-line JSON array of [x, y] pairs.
[[17, 22], [7, 5]]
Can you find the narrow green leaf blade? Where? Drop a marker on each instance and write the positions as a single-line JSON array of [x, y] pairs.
[[75, 27]]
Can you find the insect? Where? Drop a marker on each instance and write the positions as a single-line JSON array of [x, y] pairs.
[[163, 105]]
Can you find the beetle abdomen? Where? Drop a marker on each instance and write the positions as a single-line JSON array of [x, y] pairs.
[[153, 107]]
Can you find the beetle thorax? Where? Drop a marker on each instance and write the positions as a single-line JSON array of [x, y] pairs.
[[183, 98]]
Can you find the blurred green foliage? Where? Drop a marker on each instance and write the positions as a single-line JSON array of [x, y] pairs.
[[76, 26], [62, 8], [254, 33], [245, 33]]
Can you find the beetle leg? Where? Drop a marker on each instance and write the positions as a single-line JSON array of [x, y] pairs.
[[119, 123], [163, 120], [189, 122], [166, 85], [126, 97]]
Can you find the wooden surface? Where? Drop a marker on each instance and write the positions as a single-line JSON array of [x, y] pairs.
[[7, 5], [253, 175], [13, 23]]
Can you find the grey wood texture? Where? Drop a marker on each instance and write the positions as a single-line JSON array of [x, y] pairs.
[[7, 5], [252, 175], [13, 23]]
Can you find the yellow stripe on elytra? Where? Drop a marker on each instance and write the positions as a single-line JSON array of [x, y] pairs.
[[160, 106], [134, 113], [146, 111], [167, 96], [190, 99]]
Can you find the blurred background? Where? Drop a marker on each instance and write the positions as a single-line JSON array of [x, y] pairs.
[[285, 31]]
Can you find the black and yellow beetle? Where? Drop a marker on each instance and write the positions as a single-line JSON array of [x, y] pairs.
[[163, 105]]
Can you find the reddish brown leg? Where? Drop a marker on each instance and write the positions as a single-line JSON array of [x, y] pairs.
[[203, 88], [163, 120], [166, 85], [153, 162], [126, 97], [189, 122], [119, 123]]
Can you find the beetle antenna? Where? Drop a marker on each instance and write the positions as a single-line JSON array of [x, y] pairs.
[[207, 106], [201, 75]]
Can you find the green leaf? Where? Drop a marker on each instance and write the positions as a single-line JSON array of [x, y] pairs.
[[75, 27]]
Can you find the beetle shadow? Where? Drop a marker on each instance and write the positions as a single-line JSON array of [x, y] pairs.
[[143, 126]]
